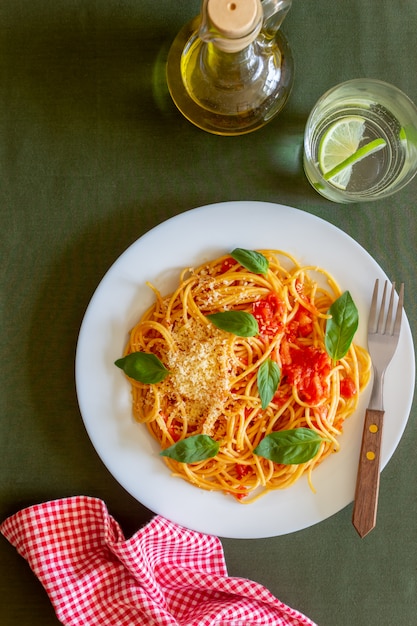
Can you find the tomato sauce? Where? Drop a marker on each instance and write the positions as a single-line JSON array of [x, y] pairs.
[[269, 313]]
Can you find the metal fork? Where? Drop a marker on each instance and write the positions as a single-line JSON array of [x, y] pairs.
[[383, 334]]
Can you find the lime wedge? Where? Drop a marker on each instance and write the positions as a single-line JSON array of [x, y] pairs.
[[339, 149]]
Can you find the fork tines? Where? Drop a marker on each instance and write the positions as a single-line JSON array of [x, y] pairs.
[[386, 324]]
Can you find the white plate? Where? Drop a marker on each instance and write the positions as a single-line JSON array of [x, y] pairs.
[[127, 449]]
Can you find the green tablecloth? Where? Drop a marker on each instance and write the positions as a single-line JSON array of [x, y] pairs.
[[94, 154]]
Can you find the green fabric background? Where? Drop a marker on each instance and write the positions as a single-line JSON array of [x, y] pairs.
[[92, 155]]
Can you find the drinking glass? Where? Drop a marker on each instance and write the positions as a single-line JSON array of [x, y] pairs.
[[360, 141]]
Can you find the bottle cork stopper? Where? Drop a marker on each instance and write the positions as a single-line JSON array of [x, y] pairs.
[[234, 19]]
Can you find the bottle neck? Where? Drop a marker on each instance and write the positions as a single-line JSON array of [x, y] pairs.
[[231, 26], [230, 68]]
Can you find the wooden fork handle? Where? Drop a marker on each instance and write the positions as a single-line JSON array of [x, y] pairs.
[[367, 482]]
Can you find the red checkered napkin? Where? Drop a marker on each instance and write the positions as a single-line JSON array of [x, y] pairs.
[[165, 575]]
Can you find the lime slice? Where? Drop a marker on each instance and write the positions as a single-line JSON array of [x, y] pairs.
[[347, 164], [338, 149], [338, 143]]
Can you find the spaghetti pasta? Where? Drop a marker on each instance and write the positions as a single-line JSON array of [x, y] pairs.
[[212, 384]]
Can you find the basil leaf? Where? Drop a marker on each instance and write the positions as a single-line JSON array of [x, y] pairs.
[[143, 367], [250, 259], [239, 323], [192, 449], [341, 327], [289, 447], [269, 376]]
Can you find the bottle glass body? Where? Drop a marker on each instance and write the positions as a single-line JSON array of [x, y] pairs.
[[229, 93]]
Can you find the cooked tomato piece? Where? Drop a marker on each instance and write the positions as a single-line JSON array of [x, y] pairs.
[[301, 325], [269, 312], [305, 322], [174, 429], [242, 470], [228, 264], [285, 352], [281, 396], [307, 368], [347, 388]]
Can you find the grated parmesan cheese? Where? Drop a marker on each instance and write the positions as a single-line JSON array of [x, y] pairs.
[[199, 372]]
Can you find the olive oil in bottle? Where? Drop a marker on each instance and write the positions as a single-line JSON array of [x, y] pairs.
[[230, 70]]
